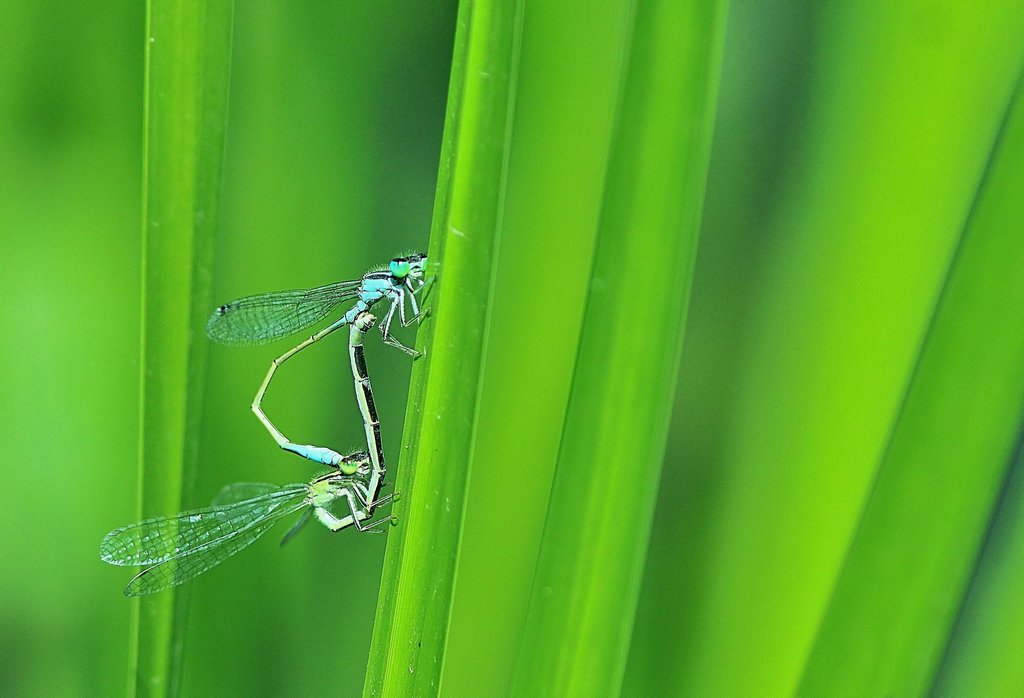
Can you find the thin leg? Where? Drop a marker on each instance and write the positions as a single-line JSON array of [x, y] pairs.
[[426, 287], [417, 316], [335, 524], [385, 327], [372, 528], [330, 520], [401, 307], [380, 501], [368, 528]]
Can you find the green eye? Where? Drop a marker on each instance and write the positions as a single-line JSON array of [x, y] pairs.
[[399, 268]]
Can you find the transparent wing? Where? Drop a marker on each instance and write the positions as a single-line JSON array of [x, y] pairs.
[[186, 565], [157, 540], [268, 316], [241, 491]]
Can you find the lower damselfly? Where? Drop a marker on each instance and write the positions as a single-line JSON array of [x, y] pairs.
[[176, 548], [179, 547]]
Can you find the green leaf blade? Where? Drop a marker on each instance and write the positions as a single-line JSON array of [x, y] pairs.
[[911, 560], [187, 60], [567, 95], [419, 566]]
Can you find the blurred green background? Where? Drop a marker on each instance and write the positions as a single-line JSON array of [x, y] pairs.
[[850, 147]]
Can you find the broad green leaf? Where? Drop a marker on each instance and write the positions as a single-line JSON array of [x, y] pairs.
[[567, 96], [419, 566], [913, 555]]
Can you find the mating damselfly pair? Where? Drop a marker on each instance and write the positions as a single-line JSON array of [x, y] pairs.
[[179, 547]]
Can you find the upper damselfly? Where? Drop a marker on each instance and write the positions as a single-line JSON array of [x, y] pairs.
[[265, 317], [268, 316]]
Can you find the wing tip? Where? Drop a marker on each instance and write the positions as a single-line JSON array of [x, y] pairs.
[[133, 591], [108, 549]]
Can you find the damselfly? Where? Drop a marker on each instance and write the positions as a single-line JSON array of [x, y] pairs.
[[182, 546], [268, 316]]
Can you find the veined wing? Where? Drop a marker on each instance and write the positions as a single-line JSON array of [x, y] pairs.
[[157, 540], [268, 316], [186, 565], [241, 491]]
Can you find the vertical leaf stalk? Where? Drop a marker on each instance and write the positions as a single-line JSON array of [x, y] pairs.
[[188, 45], [413, 610]]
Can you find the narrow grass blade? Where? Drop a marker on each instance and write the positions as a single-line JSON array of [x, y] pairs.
[[910, 562], [187, 58], [419, 565], [591, 560]]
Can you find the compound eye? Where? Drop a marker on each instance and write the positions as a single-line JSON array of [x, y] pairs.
[[399, 268]]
